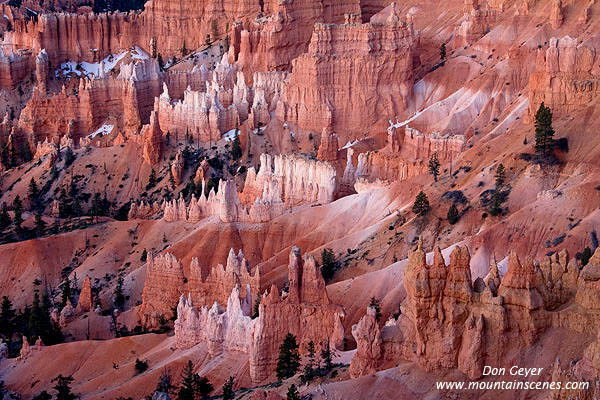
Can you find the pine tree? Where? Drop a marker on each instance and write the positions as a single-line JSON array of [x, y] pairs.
[[40, 224], [434, 166], [144, 256], [97, 206], [36, 318], [186, 389], [43, 395], [421, 205], [309, 367], [7, 315], [151, 180], [377, 306], [544, 132], [63, 388], [289, 358], [161, 63], [292, 393], [330, 264], [5, 220], [236, 147], [256, 308], [183, 50], [69, 157], [202, 386], [453, 214], [326, 357], [66, 292], [585, 256], [18, 210], [228, 393], [500, 176], [443, 52], [119, 298], [33, 193]]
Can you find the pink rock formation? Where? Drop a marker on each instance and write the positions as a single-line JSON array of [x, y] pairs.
[[298, 180], [144, 210], [447, 322], [177, 167], [328, 89], [565, 76], [41, 71], [368, 340], [14, 67], [328, 149], [86, 299], [556, 14], [153, 141], [203, 285], [306, 312]]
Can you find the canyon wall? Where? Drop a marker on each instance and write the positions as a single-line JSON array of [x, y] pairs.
[[448, 321], [352, 75], [305, 311], [167, 280], [566, 76], [124, 100]]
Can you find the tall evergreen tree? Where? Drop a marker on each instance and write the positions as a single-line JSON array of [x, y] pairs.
[[289, 358], [7, 315], [33, 193], [434, 166], [292, 393], [66, 292], [500, 176], [40, 224], [63, 388], [326, 357], [309, 367], [186, 388], [202, 386], [377, 306], [119, 297], [5, 220], [228, 393], [329, 264], [544, 132], [453, 214], [236, 147], [18, 210], [443, 52], [421, 204]]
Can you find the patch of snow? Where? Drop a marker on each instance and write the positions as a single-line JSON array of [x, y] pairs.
[[103, 130], [256, 131], [350, 144], [139, 54], [231, 135], [6, 16], [93, 69], [30, 10]]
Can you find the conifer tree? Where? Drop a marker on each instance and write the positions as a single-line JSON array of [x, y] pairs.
[[7, 315], [377, 306], [5, 220], [66, 292], [443, 52], [434, 166], [292, 393], [309, 367], [500, 176], [151, 180], [453, 214], [236, 147], [421, 204], [186, 389], [256, 308], [326, 357], [40, 224], [33, 193], [63, 388], [228, 393], [18, 210], [289, 358], [119, 299], [544, 132]]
